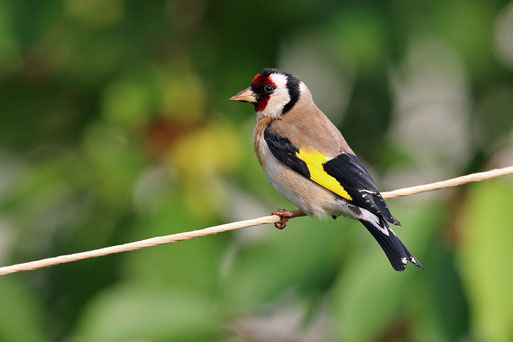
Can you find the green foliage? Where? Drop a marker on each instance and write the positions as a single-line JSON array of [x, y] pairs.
[[485, 256], [21, 319], [128, 313], [115, 126]]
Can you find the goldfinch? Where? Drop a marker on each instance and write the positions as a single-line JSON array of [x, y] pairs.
[[306, 158]]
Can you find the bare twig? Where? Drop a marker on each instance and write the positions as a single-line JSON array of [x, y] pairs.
[[32, 265], [449, 183]]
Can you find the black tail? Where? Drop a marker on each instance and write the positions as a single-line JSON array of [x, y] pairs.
[[396, 251]]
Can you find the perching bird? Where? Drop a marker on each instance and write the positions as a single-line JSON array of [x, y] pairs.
[[306, 158]]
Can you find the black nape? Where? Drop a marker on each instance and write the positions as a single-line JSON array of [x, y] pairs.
[[293, 87]]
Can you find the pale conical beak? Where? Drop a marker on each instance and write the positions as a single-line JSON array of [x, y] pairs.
[[246, 95]]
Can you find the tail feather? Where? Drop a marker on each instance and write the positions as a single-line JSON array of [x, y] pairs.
[[395, 250]]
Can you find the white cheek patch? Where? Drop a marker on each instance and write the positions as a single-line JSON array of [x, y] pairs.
[[279, 98]]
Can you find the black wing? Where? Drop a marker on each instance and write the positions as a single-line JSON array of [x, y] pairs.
[[285, 152], [345, 168], [349, 171]]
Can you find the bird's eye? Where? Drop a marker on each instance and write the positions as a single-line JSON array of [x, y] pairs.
[[268, 88]]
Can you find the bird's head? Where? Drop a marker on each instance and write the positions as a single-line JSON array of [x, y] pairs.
[[272, 92]]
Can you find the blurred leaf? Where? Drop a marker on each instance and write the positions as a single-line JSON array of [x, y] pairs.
[[445, 302], [115, 160], [21, 317], [183, 96], [360, 31], [494, 114], [486, 259], [95, 12], [172, 92], [129, 314], [129, 102], [468, 24], [8, 44], [200, 157], [425, 326]]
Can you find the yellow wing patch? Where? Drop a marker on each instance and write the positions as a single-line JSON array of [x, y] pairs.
[[314, 161]]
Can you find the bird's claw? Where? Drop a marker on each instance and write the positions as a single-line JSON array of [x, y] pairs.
[[285, 215]]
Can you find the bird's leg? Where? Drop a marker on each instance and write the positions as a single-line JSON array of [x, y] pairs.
[[285, 215]]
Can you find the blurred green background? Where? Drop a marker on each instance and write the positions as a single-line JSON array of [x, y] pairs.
[[115, 126]]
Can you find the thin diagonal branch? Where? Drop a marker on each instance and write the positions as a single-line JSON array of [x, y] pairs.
[[450, 183], [160, 240]]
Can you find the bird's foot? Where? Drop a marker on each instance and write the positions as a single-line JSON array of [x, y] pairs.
[[285, 215]]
